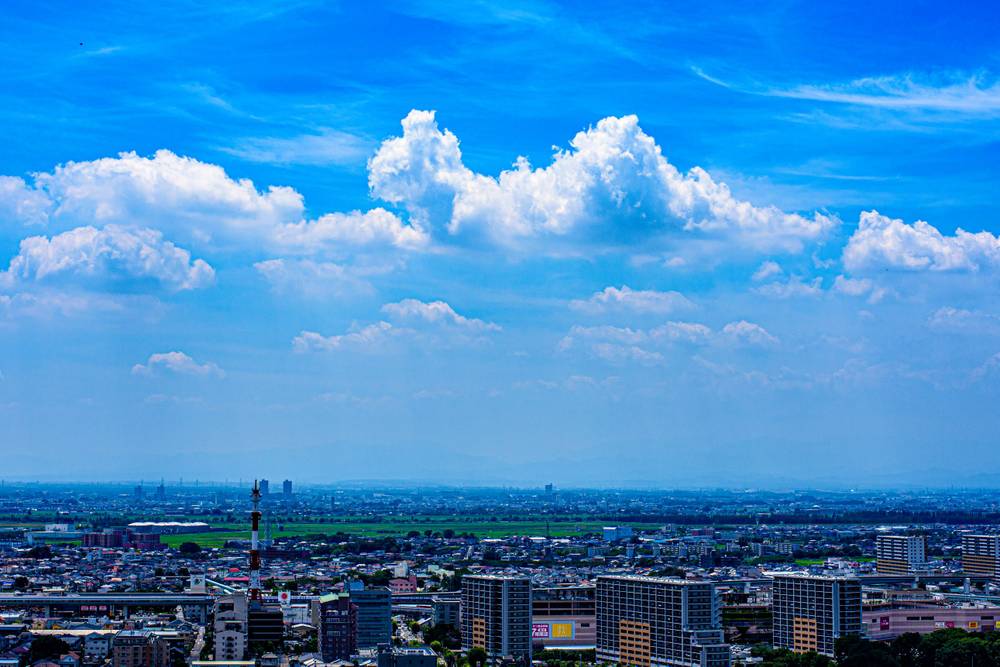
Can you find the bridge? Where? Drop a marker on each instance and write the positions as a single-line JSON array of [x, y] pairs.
[[110, 603]]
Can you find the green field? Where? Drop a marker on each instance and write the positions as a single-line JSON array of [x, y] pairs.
[[401, 528]]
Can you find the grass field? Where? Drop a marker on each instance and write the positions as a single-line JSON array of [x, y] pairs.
[[401, 528]]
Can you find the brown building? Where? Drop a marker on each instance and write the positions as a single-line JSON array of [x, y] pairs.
[[900, 554], [139, 648], [981, 555]]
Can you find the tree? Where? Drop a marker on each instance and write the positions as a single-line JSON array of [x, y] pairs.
[[21, 583], [47, 646], [190, 548], [477, 656]]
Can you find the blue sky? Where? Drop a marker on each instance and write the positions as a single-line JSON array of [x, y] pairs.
[[500, 243]]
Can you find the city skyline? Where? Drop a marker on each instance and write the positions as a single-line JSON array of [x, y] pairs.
[[483, 246]]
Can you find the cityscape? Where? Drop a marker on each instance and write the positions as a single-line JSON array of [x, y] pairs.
[[499, 333], [198, 574]]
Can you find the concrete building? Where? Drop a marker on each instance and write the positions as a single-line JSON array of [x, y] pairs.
[[812, 612], [410, 656], [661, 622], [981, 555], [265, 487], [231, 627], [900, 554], [139, 648], [615, 533], [336, 621], [496, 616], [564, 617], [446, 611], [286, 488], [374, 612]]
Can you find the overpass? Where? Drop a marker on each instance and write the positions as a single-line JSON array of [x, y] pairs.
[[110, 603]]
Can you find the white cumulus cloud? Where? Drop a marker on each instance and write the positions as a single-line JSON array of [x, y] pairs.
[[435, 312], [625, 298], [176, 362], [106, 255], [881, 242], [612, 186]]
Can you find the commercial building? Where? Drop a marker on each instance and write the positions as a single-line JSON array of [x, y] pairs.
[[265, 625], [286, 488], [887, 624], [981, 555], [564, 617], [812, 612], [374, 613], [656, 621], [900, 554], [336, 620], [496, 616]]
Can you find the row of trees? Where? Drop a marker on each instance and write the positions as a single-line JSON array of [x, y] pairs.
[[951, 647]]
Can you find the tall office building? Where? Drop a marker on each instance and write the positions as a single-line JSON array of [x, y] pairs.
[[900, 554], [374, 613], [812, 612], [265, 487], [496, 616], [337, 621], [286, 488], [661, 622], [981, 555]]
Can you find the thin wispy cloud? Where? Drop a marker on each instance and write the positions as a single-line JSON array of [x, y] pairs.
[[973, 95]]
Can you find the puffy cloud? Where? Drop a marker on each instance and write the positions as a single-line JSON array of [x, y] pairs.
[[106, 255], [794, 287], [176, 362], [21, 203], [612, 186], [374, 227], [748, 333], [766, 270], [626, 298], [860, 287], [886, 243], [365, 337], [435, 312], [197, 201]]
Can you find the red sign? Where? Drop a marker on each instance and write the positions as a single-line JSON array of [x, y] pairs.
[[539, 630]]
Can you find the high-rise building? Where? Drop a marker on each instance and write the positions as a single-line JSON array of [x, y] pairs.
[[811, 612], [374, 612], [265, 487], [900, 554], [981, 555], [286, 488], [496, 616], [657, 621], [230, 626], [337, 621]]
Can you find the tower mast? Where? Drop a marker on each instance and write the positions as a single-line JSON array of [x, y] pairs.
[[255, 594]]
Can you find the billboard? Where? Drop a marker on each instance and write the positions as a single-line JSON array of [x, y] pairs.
[[553, 630]]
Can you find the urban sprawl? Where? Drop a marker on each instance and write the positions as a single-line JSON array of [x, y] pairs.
[[260, 574]]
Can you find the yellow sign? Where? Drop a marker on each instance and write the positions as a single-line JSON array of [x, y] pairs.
[[973, 625], [562, 630]]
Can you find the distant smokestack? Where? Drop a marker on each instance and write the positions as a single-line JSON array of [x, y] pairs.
[[255, 594]]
